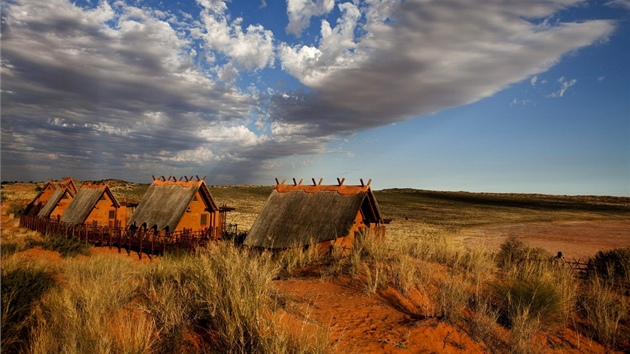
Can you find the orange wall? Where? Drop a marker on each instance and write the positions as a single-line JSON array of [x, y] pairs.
[[192, 217], [61, 207], [100, 213], [346, 243]]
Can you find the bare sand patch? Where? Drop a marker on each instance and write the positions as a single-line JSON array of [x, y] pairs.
[[576, 239]]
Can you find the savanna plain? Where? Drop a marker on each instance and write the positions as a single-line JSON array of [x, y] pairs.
[[456, 272]]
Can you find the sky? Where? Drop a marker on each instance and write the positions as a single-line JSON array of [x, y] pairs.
[[465, 95]]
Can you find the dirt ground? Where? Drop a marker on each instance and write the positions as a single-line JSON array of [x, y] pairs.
[[361, 323], [577, 240]]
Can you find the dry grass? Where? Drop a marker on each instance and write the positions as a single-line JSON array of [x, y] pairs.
[[605, 309]]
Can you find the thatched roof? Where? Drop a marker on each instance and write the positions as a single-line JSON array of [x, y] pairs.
[[300, 215], [67, 182], [80, 207], [52, 202], [165, 202]]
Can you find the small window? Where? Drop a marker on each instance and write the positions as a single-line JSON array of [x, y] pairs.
[[204, 219], [195, 198], [102, 197], [112, 214]]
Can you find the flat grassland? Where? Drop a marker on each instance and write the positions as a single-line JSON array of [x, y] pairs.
[[366, 305]]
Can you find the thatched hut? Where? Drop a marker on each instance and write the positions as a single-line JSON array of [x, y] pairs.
[[57, 204], [35, 206], [174, 205], [327, 215], [93, 202]]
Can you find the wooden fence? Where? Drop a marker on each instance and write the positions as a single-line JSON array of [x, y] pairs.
[[114, 235]]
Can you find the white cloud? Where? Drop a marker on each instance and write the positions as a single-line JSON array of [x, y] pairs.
[[533, 80], [336, 50], [250, 49], [564, 86], [300, 13], [619, 3]]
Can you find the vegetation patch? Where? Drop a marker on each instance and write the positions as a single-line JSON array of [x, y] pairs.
[[612, 266], [23, 284], [66, 246]]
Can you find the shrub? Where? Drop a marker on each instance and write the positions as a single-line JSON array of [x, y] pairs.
[[66, 246], [9, 248], [612, 265], [16, 209], [23, 284]]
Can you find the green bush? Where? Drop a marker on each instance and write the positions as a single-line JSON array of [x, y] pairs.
[[23, 284]]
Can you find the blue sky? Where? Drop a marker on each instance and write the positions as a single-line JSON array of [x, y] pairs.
[[485, 96]]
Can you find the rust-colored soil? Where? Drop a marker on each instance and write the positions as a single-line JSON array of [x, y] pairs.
[[359, 323], [575, 239]]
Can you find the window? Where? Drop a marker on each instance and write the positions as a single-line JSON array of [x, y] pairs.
[[204, 219], [112, 214]]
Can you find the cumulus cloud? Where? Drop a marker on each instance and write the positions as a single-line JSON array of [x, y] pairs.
[[249, 49], [300, 13]]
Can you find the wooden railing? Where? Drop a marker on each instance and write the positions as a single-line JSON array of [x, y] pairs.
[[114, 235]]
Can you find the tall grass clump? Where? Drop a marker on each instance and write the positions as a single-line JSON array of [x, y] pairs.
[[77, 316], [534, 293], [484, 322], [23, 285], [433, 246], [604, 309], [370, 261], [453, 297], [225, 295], [297, 257]]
